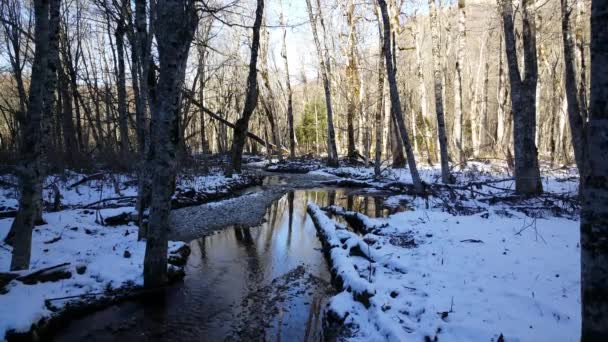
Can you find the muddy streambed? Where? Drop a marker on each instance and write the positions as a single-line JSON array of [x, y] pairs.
[[269, 282]]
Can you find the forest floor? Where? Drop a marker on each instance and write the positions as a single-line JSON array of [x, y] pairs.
[[467, 262]]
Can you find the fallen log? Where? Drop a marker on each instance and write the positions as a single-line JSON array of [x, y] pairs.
[[53, 273], [85, 179], [358, 221], [8, 213]]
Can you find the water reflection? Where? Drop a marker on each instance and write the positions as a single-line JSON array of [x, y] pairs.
[[263, 283]]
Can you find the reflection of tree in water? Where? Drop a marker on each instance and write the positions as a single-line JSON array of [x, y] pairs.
[[331, 197], [377, 206], [290, 198], [245, 240]]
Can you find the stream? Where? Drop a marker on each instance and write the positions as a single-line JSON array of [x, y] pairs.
[[269, 282]]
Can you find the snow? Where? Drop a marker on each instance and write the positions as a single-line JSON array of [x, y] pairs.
[[82, 241], [469, 277]]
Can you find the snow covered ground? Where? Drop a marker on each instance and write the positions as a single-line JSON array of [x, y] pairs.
[[112, 256], [466, 265], [109, 257], [500, 269]]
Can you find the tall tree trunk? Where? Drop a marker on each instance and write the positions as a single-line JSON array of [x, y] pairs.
[[572, 94], [458, 81], [30, 172], [396, 144], [146, 81], [523, 98], [268, 100], [123, 115], [332, 150], [251, 98], [484, 135], [202, 56], [501, 95], [594, 214], [426, 132], [380, 101], [67, 115], [395, 101], [443, 141], [352, 81], [292, 135], [175, 26]]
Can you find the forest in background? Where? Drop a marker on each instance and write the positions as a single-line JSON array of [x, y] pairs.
[[97, 111]]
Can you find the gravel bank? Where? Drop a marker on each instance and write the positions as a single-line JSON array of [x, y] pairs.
[[246, 210]]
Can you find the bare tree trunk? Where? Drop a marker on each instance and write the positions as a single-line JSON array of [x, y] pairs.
[[175, 26], [123, 119], [30, 172], [501, 96], [251, 99], [458, 98], [69, 132], [426, 134], [523, 99], [594, 214], [443, 141], [269, 100], [332, 151], [292, 135], [485, 136], [202, 56], [572, 93], [147, 78], [353, 82], [395, 101], [380, 100]]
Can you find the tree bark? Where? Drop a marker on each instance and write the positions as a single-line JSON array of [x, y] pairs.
[[175, 26], [396, 144], [292, 135], [380, 101], [123, 118], [458, 81], [594, 214], [354, 85], [30, 173], [443, 141], [572, 93], [523, 99], [251, 99], [396, 102]]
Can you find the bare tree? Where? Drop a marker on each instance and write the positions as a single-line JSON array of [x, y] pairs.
[[352, 76], [332, 151], [594, 214], [30, 172], [292, 135], [175, 26], [458, 81], [438, 86], [380, 99], [396, 102], [251, 98], [572, 92], [523, 98]]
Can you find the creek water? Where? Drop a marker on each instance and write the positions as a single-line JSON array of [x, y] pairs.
[[269, 282]]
